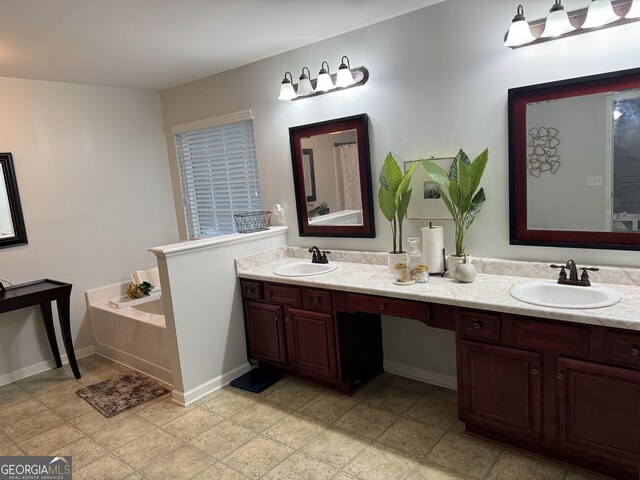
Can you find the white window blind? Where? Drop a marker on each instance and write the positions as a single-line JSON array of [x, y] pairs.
[[218, 176]]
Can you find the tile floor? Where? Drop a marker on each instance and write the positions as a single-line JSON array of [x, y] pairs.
[[394, 429]]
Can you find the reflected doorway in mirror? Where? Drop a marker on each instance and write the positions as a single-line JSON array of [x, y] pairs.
[[425, 203]]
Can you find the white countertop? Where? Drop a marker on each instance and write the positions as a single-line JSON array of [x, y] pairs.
[[488, 292]]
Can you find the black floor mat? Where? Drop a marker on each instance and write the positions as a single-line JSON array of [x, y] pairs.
[[256, 380]]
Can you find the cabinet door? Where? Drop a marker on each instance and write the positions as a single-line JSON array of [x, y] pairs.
[[311, 343], [599, 410], [502, 389], [265, 332]]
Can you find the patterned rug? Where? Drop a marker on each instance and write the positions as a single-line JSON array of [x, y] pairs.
[[116, 395]]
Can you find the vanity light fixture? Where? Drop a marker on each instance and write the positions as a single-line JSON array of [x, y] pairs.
[[598, 14], [345, 78], [286, 89]]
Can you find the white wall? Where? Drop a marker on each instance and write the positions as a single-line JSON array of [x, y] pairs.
[[91, 166], [438, 81]]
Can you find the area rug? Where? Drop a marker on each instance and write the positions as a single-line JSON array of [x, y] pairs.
[[116, 395]]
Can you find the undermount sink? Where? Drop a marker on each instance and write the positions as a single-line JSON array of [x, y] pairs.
[[304, 269], [548, 293]]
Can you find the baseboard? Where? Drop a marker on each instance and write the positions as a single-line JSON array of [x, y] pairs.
[[420, 374], [43, 366], [187, 398], [157, 372]]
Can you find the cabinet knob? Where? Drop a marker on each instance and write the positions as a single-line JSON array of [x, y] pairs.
[[251, 289], [316, 301], [560, 376], [381, 306], [634, 352], [534, 371], [476, 326]]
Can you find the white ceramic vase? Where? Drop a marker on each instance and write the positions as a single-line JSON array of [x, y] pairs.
[[466, 272], [453, 261], [394, 258]]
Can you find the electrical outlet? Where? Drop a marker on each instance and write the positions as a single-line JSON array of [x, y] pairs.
[[594, 181]]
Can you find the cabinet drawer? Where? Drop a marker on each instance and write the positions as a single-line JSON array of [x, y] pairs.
[[557, 337], [623, 347], [317, 299], [479, 324], [388, 306], [282, 294], [251, 290]]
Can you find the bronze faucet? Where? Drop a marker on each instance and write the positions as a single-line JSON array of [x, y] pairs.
[[573, 274], [318, 256]]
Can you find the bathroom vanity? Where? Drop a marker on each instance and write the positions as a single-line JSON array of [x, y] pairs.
[[563, 384]]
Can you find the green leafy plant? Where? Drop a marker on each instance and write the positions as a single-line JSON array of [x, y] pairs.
[[394, 196], [459, 191]]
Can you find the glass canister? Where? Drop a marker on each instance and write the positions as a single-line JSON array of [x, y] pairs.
[[422, 274], [414, 255], [402, 273]]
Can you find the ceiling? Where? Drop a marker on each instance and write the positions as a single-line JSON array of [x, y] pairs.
[[158, 44]]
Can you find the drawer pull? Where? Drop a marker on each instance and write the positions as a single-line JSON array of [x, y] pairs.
[[476, 326], [251, 289], [534, 371], [316, 301], [560, 376], [634, 352], [381, 306]]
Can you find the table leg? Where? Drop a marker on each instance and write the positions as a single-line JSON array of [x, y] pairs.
[[65, 327], [47, 316]]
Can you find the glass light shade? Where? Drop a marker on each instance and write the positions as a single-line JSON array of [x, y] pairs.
[[634, 11], [557, 22], [286, 91], [305, 87], [519, 31], [600, 13], [344, 78], [324, 82]]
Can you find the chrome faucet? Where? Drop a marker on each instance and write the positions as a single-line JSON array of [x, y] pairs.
[[318, 256], [573, 274]]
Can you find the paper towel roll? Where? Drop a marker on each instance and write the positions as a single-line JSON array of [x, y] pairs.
[[432, 245]]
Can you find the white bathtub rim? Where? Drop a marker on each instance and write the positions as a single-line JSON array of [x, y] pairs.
[[133, 313]]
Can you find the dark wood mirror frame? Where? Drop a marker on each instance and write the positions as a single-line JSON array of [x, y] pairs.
[[359, 123], [9, 179], [518, 100]]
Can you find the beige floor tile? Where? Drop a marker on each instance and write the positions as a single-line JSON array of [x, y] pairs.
[[436, 472], [93, 421], [433, 411], [458, 427], [53, 439], [113, 372], [260, 416], [192, 423], [65, 402], [83, 451], [328, 406], [161, 412], [44, 382], [135, 476], [444, 394], [294, 394], [295, 430], [377, 462], [409, 384], [227, 402], [391, 399], [218, 471], [301, 467], [11, 395], [580, 476], [121, 432], [335, 446], [32, 426], [222, 439], [7, 447], [105, 468], [183, 463], [258, 456], [512, 465], [20, 411], [366, 421], [90, 365], [144, 449], [464, 454], [412, 437], [344, 476]]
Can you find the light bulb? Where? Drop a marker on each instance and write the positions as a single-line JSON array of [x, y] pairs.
[[287, 91], [557, 22], [519, 31], [634, 11], [324, 82], [304, 84], [600, 13], [344, 77]]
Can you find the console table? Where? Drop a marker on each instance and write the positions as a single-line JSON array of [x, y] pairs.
[[42, 293]]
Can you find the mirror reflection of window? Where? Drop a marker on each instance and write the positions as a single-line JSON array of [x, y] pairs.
[[6, 223]]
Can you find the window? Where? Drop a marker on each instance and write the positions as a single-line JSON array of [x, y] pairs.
[[218, 172]]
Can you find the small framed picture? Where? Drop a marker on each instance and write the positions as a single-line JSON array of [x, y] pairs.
[[426, 203]]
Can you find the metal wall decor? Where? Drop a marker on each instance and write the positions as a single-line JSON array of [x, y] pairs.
[[543, 150]]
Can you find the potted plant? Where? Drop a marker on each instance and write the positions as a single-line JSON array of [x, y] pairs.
[[393, 198], [459, 191]]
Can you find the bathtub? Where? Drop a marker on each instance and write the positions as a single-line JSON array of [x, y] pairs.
[[135, 336]]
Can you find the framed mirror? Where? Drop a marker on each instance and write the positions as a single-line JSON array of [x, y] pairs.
[[332, 178], [12, 230], [574, 162]]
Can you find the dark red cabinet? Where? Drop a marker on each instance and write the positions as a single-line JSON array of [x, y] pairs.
[[265, 332], [311, 342]]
